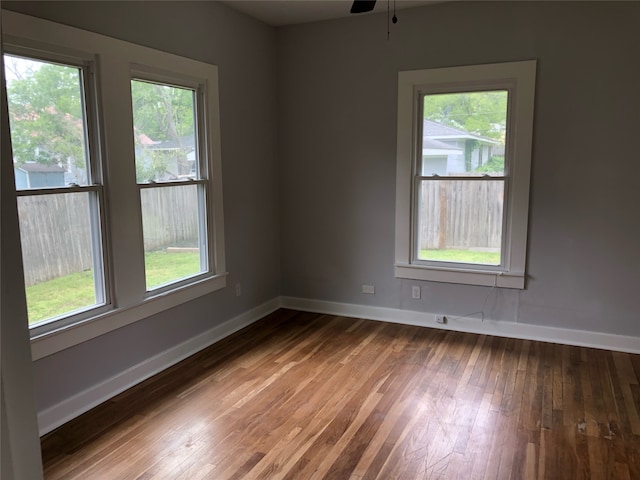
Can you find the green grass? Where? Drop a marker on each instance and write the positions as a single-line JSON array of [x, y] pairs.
[[162, 267], [64, 294], [60, 295], [462, 256]]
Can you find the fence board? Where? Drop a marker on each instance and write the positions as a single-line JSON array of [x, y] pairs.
[[459, 214], [56, 234]]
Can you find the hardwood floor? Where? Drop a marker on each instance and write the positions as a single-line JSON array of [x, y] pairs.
[[309, 396]]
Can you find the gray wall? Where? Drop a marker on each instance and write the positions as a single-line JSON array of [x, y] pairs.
[[337, 118], [245, 52], [309, 205], [19, 445]]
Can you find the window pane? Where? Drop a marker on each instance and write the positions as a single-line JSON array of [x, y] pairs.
[[460, 221], [165, 135], [48, 127], [170, 219], [464, 134], [59, 271]]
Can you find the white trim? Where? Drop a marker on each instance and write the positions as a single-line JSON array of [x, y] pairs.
[[519, 79], [70, 408], [59, 339], [496, 328]]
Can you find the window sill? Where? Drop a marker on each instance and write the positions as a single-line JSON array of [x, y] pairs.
[[54, 341], [487, 278]]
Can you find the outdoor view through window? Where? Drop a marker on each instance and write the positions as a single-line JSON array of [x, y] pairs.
[[167, 157], [58, 196], [461, 178]]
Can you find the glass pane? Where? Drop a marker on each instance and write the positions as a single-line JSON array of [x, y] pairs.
[[464, 134], [59, 271], [165, 135], [460, 221], [48, 127], [170, 219]]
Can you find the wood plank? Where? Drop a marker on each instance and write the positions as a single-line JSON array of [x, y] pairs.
[[308, 396]]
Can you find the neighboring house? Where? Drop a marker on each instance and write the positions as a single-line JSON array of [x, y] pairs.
[[177, 158], [38, 175], [449, 151]]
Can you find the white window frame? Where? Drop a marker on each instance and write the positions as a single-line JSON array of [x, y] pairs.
[[95, 186], [115, 61], [142, 73], [518, 78]]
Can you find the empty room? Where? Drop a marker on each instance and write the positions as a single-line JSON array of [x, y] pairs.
[[320, 240]]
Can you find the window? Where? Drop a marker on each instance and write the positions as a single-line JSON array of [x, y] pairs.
[[463, 164], [172, 181], [58, 183], [116, 155]]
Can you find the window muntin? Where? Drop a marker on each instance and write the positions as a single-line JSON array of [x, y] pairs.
[[59, 194], [460, 178], [167, 140], [416, 208]]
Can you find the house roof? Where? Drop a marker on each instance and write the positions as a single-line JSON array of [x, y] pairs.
[[436, 147], [435, 130], [39, 167]]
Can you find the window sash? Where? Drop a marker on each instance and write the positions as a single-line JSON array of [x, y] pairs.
[[142, 73], [101, 277], [416, 225], [205, 246], [93, 187]]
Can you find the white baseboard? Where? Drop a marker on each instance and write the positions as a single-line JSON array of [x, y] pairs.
[[54, 416], [470, 325]]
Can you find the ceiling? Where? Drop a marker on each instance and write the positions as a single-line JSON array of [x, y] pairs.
[[289, 12]]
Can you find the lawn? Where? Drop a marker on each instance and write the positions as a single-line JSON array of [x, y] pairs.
[[462, 256], [71, 292]]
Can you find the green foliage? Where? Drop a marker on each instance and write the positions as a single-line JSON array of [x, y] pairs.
[[482, 113], [164, 114], [154, 167], [46, 114], [495, 164]]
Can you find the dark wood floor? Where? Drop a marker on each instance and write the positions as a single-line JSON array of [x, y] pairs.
[[309, 396]]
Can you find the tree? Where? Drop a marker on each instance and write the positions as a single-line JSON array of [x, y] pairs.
[[47, 117], [482, 113], [165, 114], [46, 113]]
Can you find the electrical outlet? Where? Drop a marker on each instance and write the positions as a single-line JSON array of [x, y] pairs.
[[441, 319], [368, 289], [415, 292], [238, 290]]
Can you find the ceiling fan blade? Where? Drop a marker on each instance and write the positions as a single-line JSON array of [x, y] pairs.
[[362, 6]]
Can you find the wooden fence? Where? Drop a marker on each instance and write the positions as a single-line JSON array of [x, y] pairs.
[[56, 232], [459, 214]]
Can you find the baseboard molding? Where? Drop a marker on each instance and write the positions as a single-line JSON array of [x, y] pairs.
[[470, 325], [54, 416]]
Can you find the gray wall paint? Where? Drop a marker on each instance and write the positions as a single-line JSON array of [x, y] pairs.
[[245, 52], [19, 445], [337, 88], [309, 208]]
